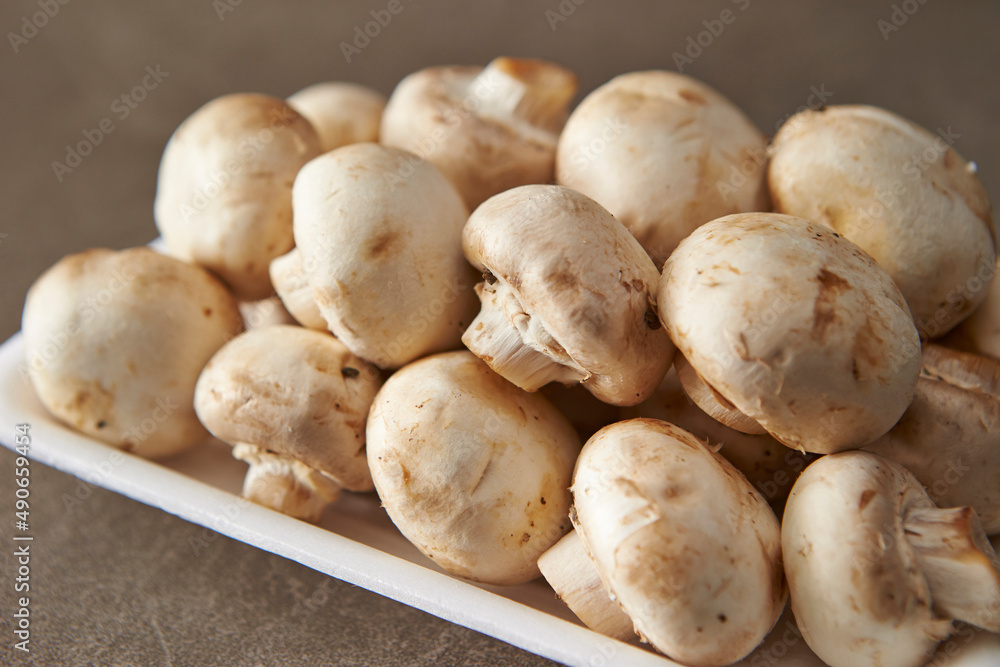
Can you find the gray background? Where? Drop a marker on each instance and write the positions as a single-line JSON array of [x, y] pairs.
[[158, 605]]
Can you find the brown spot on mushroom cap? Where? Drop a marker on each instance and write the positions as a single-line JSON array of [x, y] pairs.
[[866, 497], [692, 96], [383, 246], [825, 306]]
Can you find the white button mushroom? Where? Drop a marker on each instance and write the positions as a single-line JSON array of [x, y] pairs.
[[949, 438], [876, 572], [291, 282], [342, 113], [664, 153], [115, 341], [379, 236], [487, 129], [301, 396], [899, 192], [687, 548], [793, 326], [569, 295], [224, 192], [472, 470]]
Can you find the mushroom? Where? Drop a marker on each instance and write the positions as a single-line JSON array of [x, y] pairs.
[[293, 403], [794, 327], [979, 333], [291, 282], [683, 543], [568, 295], [664, 153], [379, 236], [487, 129], [949, 438], [898, 191], [767, 464], [472, 470], [877, 572], [114, 342], [224, 191], [342, 113]]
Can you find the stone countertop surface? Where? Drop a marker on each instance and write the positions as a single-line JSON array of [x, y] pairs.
[[145, 598]]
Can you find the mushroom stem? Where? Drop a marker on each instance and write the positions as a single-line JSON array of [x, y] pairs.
[[509, 339], [572, 575], [285, 485], [960, 565], [291, 282], [707, 397], [533, 91]]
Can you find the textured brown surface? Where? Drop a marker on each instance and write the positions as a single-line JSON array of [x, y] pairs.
[[137, 598]]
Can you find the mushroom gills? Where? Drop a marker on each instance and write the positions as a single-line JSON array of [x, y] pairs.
[[284, 484], [515, 344], [960, 565], [708, 398], [968, 371]]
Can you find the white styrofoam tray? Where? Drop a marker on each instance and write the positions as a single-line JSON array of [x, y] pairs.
[[357, 543]]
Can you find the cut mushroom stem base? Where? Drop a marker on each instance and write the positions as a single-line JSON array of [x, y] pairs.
[[495, 339], [284, 484], [572, 575], [961, 568], [533, 91]]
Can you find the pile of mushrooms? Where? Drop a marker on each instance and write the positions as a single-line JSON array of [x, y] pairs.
[[590, 344]]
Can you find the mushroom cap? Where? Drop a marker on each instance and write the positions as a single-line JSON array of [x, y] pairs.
[[576, 273], [795, 326], [291, 282], [296, 392], [461, 120], [859, 595], [472, 470], [949, 438], [768, 465], [688, 548], [224, 190], [115, 340], [664, 153], [379, 234], [342, 113], [900, 193]]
